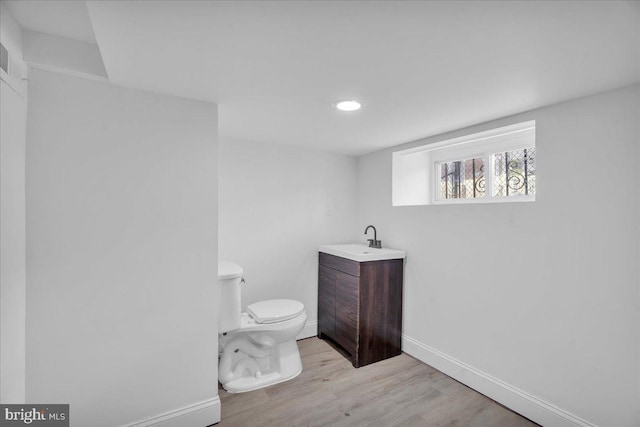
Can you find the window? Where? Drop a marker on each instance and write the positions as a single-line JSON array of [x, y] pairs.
[[514, 173], [462, 179], [493, 166]]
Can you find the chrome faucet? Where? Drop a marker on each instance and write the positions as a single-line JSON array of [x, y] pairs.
[[373, 243]]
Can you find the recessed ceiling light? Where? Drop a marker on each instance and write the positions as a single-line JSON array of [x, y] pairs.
[[350, 105]]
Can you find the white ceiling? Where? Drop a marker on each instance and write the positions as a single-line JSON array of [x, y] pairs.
[[419, 68]]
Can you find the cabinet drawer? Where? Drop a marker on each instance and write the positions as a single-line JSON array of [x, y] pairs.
[[340, 264]]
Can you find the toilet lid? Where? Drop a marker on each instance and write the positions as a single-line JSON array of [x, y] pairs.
[[228, 270], [275, 310]]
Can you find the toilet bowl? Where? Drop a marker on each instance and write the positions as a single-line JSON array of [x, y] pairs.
[[258, 346]]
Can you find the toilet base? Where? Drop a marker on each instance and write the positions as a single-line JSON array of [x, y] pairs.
[[281, 365], [245, 384]]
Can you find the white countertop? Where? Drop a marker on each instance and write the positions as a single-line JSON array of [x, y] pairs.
[[361, 253]]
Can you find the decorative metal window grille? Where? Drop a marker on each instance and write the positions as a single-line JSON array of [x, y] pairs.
[[514, 172], [462, 179]]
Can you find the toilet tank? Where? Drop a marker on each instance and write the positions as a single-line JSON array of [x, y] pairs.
[[229, 279]]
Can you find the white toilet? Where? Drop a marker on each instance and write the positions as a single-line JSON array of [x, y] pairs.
[[258, 347]]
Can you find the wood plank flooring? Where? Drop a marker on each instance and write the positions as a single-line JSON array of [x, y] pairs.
[[400, 391]]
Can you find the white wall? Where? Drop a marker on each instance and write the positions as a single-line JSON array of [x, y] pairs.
[[274, 205], [121, 251], [13, 115], [539, 296]]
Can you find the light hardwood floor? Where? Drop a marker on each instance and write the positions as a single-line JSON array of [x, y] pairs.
[[400, 391]]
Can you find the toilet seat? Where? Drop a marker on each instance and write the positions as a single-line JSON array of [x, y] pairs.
[[275, 310]]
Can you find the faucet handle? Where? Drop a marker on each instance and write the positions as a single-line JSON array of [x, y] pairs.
[[372, 243], [378, 244]]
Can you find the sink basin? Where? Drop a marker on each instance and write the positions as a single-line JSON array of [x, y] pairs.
[[361, 253]]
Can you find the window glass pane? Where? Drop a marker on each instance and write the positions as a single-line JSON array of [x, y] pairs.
[[514, 172], [462, 179]]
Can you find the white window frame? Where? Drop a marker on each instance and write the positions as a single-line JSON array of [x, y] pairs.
[[416, 171]]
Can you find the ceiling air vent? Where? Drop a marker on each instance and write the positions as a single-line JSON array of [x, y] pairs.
[[13, 71], [4, 59]]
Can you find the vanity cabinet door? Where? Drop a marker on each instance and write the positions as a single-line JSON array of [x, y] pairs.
[[346, 324], [326, 300]]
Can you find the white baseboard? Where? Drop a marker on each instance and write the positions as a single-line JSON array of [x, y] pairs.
[[518, 400], [201, 414], [310, 330]]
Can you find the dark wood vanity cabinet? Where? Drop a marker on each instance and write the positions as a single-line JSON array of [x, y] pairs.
[[360, 306]]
